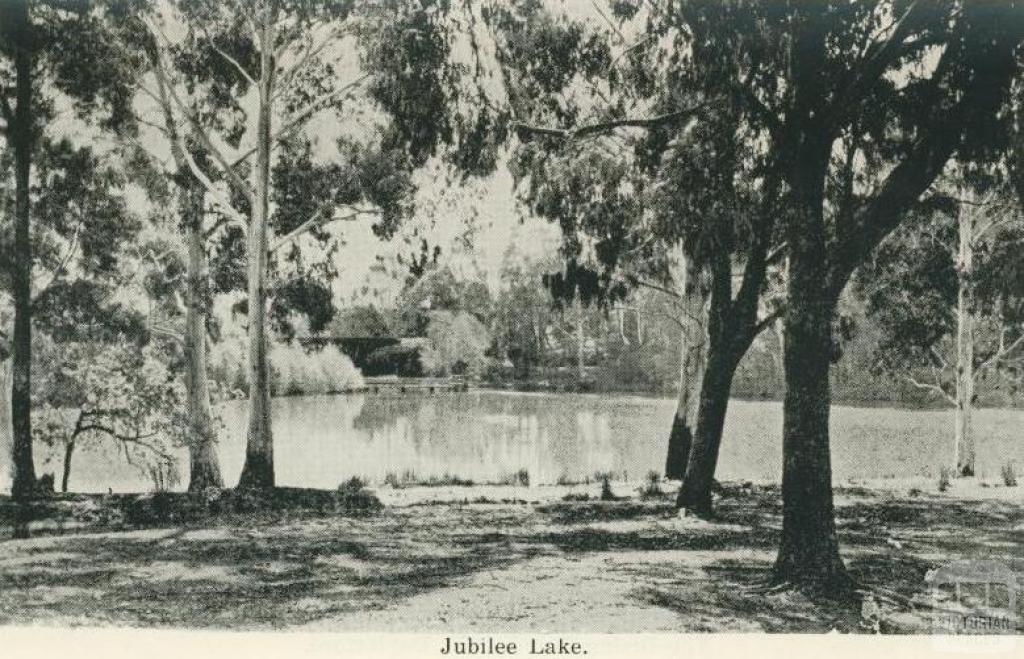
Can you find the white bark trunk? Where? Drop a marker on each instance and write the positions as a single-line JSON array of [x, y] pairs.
[[692, 284], [258, 471], [6, 430], [580, 338], [964, 435]]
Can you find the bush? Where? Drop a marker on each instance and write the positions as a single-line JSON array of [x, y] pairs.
[[652, 489], [520, 477], [945, 479], [293, 370], [154, 509], [1009, 474], [606, 487], [353, 497]]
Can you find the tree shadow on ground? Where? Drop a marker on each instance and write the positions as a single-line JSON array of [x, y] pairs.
[[285, 571]]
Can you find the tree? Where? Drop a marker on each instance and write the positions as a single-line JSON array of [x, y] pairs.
[[863, 118], [679, 206], [958, 264], [121, 393], [458, 342], [51, 47], [522, 310], [359, 321], [289, 57]]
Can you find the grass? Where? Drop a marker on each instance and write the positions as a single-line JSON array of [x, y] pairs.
[[604, 566], [409, 478]]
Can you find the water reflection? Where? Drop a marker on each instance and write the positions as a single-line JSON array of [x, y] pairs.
[[486, 436], [481, 436]]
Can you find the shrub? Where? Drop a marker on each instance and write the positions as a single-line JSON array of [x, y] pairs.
[[945, 479], [154, 509], [520, 477], [1009, 474], [401, 360], [353, 497], [293, 369], [606, 487], [652, 489]]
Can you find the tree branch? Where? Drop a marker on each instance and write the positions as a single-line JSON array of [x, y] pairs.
[[234, 63], [317, 221], [5, 109], [657, 287], [167, 89], [935, 388], [296, 119], [596, 129], [998, 356]]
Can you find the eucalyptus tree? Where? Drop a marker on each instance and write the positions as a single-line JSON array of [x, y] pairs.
[[865, 103], [854, 110], [959, 262], [51, 53], [385, 66], [654, 184]]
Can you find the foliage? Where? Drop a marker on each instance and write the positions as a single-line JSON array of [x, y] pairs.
[[458, 343], [911, 284], [359, 321], [123, 395], [294, 370], [438, 289], [1009, 474], [401, 360]]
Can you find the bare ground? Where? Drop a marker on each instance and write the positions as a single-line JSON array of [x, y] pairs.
[[537, 565]]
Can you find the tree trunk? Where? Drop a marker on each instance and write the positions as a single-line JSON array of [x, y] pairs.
[[695, 491], [809, 552], [204, 467], [20, 132], [69, 451], [581, 369], [6, 433], [964, 435], [693, 291], [258, 471]]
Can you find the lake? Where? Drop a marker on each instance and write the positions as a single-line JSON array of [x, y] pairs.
[[486, 436]]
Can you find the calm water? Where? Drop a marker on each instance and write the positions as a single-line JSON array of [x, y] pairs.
[[485, 436]]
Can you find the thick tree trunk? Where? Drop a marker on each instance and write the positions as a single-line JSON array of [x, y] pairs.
[[964, 435], [21, 358], [69, 452], [258, 471], [204, 466], [809, 552], [693, 291]]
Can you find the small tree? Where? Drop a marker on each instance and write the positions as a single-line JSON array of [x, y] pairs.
[[122, 393], [458, 343]]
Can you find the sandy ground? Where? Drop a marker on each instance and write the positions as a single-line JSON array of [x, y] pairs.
[[509, 559]]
